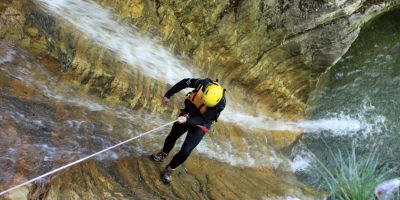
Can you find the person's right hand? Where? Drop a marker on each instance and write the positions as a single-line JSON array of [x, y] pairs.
[[165, 100], [181, 119]]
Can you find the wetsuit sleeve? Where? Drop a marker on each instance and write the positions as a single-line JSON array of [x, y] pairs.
[[210, 115], [184, 83]]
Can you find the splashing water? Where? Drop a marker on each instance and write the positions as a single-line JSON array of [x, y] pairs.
[[337, 124], [363, 124]]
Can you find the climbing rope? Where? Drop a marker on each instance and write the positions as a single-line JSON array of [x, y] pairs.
[[85, 158]]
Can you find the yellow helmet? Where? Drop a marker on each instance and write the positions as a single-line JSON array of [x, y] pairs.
[[212, 94]]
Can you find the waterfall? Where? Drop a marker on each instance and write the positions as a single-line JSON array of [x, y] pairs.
[[140, 51]]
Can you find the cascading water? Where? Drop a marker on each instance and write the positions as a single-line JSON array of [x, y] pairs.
[[100, 25], [364, 85]]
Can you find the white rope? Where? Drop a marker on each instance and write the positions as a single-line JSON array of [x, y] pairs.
[[80, 160]]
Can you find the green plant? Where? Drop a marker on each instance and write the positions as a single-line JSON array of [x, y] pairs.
[[352, 178]]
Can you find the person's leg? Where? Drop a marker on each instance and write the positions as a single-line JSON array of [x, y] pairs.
[[177, 131], [193, 138]]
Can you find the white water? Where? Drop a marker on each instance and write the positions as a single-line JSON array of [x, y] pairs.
[[357, 125], [140, 52]]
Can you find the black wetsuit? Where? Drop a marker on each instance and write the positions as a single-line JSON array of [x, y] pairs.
[[195, 133]]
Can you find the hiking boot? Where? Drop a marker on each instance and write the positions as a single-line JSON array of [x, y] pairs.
[[166, 175], [158, 157]]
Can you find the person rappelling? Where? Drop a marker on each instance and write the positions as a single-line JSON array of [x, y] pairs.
[[202, 107]]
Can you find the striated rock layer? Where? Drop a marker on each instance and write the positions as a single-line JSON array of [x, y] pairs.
[[268, 53]]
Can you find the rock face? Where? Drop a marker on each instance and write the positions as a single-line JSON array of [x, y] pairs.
[[268, 53]]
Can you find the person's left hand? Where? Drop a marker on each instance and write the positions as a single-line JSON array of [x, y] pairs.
[[165, 100], [182, 120]]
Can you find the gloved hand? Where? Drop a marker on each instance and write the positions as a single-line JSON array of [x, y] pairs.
[[165, 100], [182, 120]]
